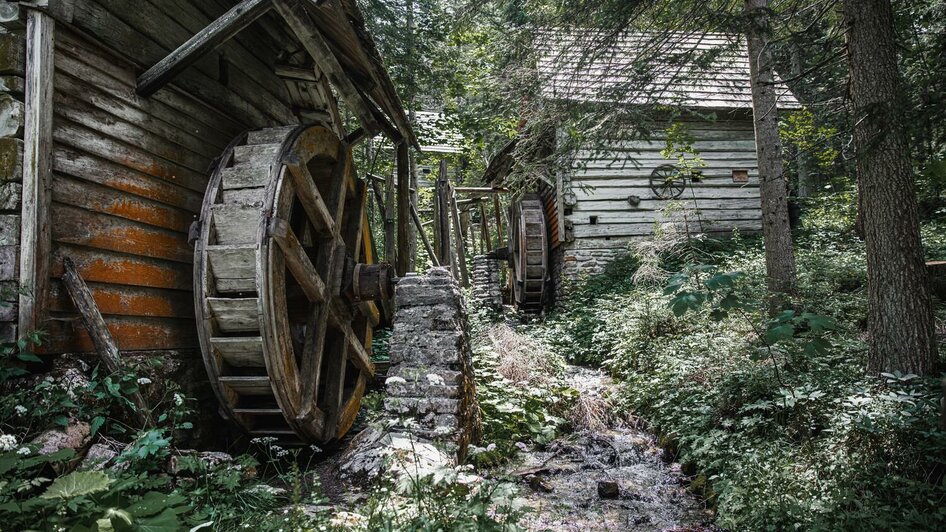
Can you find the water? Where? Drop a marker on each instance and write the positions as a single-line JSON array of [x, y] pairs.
[[562, 481]]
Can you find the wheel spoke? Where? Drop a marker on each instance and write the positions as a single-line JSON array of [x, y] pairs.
[[311, 199], [297, 260]]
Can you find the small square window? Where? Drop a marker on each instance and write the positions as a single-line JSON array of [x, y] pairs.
[[593, 220], [740, 176]]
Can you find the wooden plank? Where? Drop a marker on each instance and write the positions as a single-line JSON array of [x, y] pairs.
[[235, 315], [105, 123], [93, 142], [242, 352], [621, 192], [218, 32], [99, 199], [647, 228], [298, 261], [123, 38], [124, 300], [236, 224], [35, 231], [170, 125], [101, 337], [72, 163], [80, 227], [87, 61], [121, 269], [234, 267], [612, 217], [254, 386]]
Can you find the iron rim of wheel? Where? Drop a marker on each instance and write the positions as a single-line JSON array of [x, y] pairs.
[[284, 335]]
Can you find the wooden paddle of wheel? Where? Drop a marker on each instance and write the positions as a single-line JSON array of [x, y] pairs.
[[283, 284], [528, 253]]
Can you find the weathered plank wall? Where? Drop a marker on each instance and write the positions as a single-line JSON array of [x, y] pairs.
[[601, 224], [603, 182], [130, 172], [12, 63]]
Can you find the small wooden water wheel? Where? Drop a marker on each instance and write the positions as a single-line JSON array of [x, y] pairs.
[[284, 282], [528, 254]]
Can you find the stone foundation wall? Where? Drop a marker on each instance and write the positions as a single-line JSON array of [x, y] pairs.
[[12, 58], [572, 262], [486, 288], [430, 381]]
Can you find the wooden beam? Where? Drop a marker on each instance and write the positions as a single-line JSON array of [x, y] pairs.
[[296, 73], [484, 229], [442, 215], [423, 236], [209, 39], [311, 199], [35, 234], [297, 260], [461, 244], [481, 190], [497, 211], [306, 31], [101, 337], [403, 209]]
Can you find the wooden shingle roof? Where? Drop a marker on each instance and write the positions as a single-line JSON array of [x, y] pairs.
[[700, 71]]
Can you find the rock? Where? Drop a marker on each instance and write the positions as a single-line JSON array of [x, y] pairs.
[[539, 484], [98, 457], [207, 460], [608, 489], [75, 436], [375, 453]]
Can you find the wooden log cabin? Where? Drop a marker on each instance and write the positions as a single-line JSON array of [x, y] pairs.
[[113, 115], [611, 195]]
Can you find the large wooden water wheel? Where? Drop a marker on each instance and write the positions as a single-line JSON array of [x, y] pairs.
[[528, 254], [284, 283]]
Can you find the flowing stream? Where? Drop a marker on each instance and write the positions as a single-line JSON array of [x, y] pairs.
[[609, 478]]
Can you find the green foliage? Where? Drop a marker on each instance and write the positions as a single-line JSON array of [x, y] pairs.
[[775, 412], [444, 499]]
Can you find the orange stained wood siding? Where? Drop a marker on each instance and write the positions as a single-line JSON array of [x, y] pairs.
[[129, 178]]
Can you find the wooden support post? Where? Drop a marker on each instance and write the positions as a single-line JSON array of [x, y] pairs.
[[420, 230], [35, 235], [435, 220], [403, 210], [461, 244], [497, 210], [484, 229], [390, 223], [442, 213], [211, 37], [95, 324]]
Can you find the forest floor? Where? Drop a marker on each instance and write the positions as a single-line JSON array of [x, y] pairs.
[[607, 477]]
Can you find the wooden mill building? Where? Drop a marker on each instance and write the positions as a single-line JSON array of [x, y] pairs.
[[608, 198], [114, 116]]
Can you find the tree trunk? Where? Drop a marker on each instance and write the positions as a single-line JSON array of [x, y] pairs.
[[900, 316], [776, 229]]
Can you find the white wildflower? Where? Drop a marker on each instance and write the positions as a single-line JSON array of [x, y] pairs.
[[435, 380], [491, 447], [7, 442], [20, 410], [178, 399], [23, 451], [142, 381], [315, 448], [521, 446], [394, 380]]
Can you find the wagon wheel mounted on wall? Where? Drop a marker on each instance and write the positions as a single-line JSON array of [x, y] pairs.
[[284, 284], [667, 182], [528, 253]]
